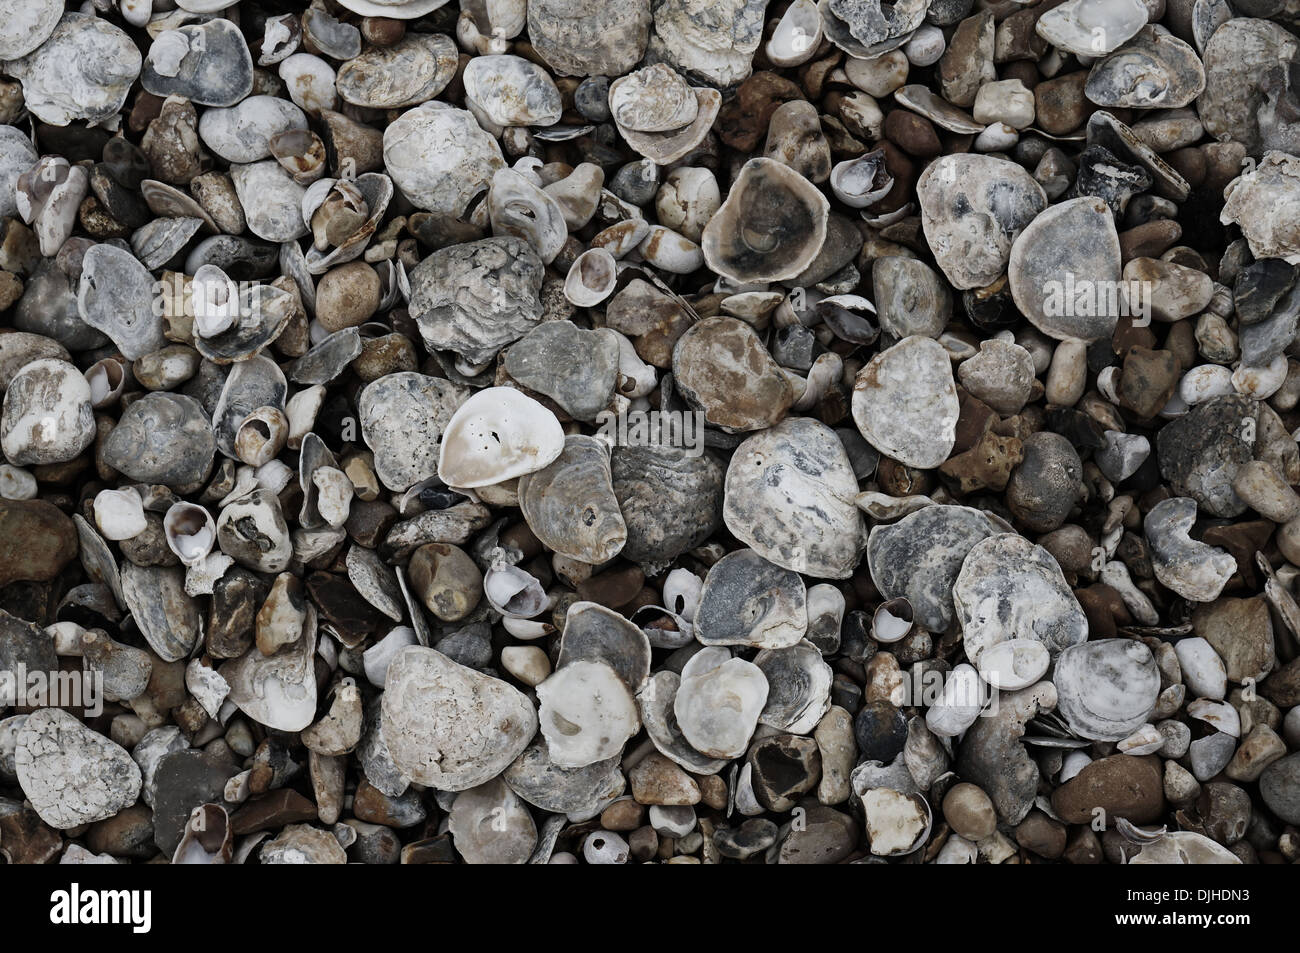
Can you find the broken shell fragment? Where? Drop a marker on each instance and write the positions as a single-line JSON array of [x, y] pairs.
[[586, 713]]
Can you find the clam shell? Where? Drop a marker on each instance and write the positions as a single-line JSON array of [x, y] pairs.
[[517, 207], [165, 615], [263, 312], [664, 148], [544, 784]]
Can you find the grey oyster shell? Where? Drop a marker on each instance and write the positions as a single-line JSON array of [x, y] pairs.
[[440, 158], [511, 91], [1008, 588], [82, 72], [27, 24], [671, 500], [544, 784], [1106, 689], [798, 687], [1153, 70], [117, 297], [973, 208], [749, 601], [162, 438], [448, 726], [1072, 245], [594, 633], [905, 402], [655, 703], [570, 504], [577, 38], [17, 155], [207, 63], [402, 418], [1245, 98], [576, 368], [478, 297], [713, 41], [163, 612], [920, 557], [790, 495], [411, 71]]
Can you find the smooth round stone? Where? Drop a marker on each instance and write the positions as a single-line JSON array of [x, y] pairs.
[[412, 71], [718, 702], [511, 91], [83, 71], [440, 158], [920, 557], [581, 39], [670, 497], [477, 297], [242, 133], [1279, 786], [973, 208], [790, 494], [576, 482], [47, 415], [722, 368], [402, 419], [1203, 670], [207, 63], [448, 726], [586, 713], [1153, 70], [1008, 588], [880, 730], [117, 297], [749, 601], [799, 687], [579, 791], [1107, 688], [272, 200], [905, 403], [576, 368], [26, 24], [162, 438], [489, 824], [1064, 268], [72, 775], [1047, 483]]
